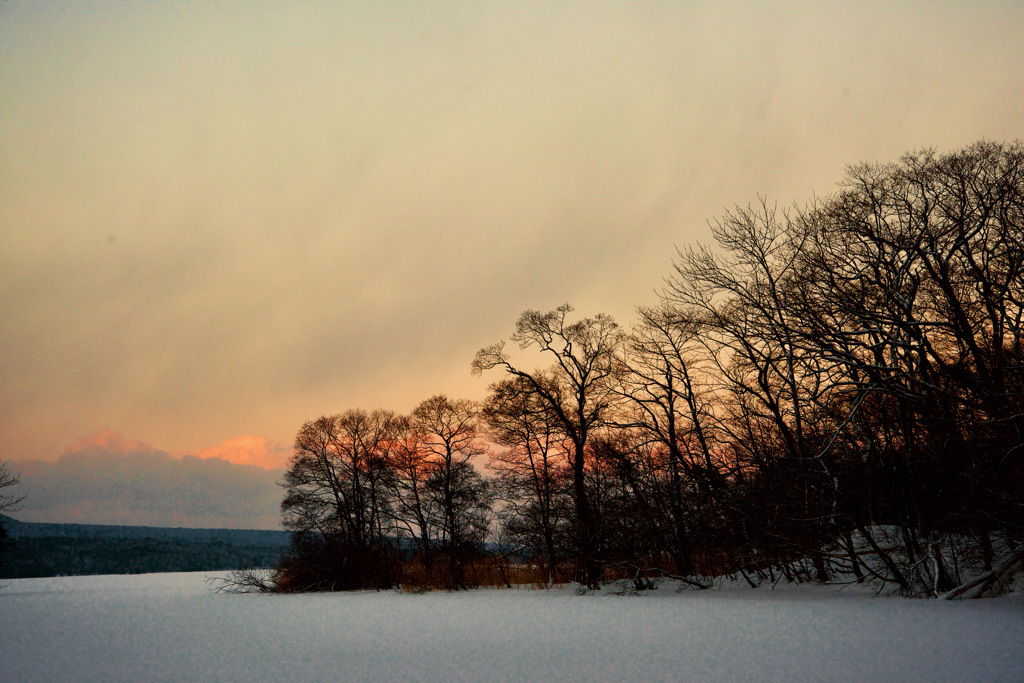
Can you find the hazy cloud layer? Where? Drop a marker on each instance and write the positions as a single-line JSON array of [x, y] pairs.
[[220, 219], [105, 479]]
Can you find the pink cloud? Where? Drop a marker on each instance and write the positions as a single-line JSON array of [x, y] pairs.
[[248, 450], [109, 440]]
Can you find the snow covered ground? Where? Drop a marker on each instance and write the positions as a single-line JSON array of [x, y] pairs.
[[171, 627]]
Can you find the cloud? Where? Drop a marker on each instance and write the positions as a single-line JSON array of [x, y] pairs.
[[248, 450], [104, 478], [107, 440]]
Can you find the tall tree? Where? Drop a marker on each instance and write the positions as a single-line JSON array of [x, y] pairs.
[[462, 495], [666, 403], [870, 349], [741, 295], [531, 470], [914, 288], [417, 512], [579, 389]]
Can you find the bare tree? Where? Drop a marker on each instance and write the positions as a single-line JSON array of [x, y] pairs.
[[417, 513], [532, 470], [742, 296], [9, 502], [914, 287], [667, 405], [462, 495], [871, 368], [579, 389], [337, 501]]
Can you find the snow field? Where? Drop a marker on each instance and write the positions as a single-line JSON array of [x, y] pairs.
[[171, 627]]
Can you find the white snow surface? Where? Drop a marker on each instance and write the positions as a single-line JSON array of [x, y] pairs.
[[171, 627]]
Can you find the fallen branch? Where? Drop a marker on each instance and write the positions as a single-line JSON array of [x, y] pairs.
[[640, 572], [251, 580], [983, 585]]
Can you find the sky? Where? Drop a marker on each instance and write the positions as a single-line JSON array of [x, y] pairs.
[[219, 220]]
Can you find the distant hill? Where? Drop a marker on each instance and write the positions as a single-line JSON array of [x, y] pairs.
[[18, 529], [37, 549]]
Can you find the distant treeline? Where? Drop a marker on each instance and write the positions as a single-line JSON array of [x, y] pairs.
[[38, 550]]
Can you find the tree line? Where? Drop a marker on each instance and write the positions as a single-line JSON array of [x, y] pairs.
[[39, 549], [835, 389]]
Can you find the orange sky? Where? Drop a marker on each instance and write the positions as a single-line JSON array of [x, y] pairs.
[[219, 220]]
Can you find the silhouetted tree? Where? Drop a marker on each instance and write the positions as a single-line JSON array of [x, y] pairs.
[[459, 493], [8, 503], [869, 354], [913, 288], [670, 407], [337, 502], [578, 388], [417, 511], [742, 295], [532, 470]]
